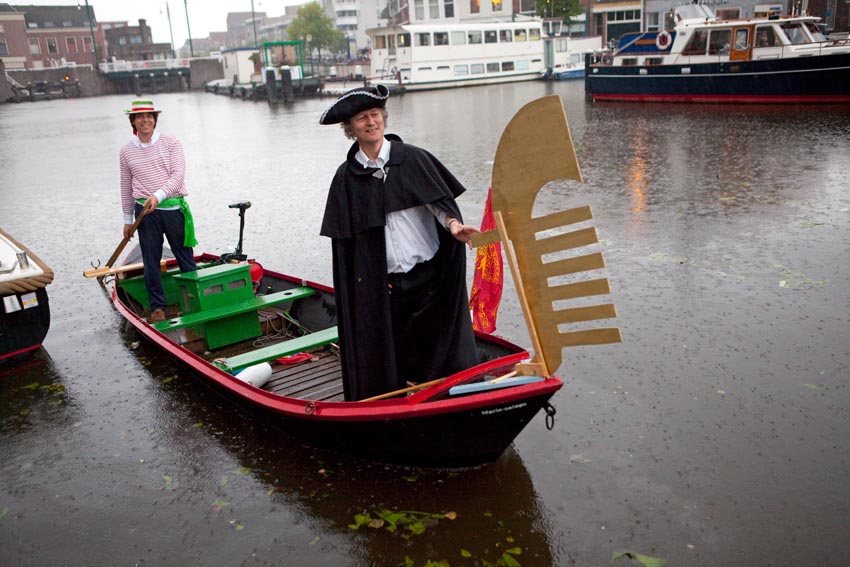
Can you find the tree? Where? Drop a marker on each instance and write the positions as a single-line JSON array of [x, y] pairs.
[[313, 21], [564, 9]]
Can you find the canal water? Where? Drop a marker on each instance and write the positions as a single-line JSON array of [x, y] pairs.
[[717, 432]]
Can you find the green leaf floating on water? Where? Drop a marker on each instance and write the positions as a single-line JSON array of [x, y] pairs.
[[644, 560]]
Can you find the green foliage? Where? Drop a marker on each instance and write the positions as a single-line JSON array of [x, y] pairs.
[[313, 21], [565, 9], [645, 560], [410, 523]]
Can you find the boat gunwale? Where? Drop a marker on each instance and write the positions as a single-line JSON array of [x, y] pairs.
[[417, 405]]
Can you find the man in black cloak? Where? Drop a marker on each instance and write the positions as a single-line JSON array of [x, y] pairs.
[[399, 260]]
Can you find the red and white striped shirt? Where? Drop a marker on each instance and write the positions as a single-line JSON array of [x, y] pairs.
[[158, 168]]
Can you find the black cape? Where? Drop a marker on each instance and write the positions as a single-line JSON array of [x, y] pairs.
[[355, 217]]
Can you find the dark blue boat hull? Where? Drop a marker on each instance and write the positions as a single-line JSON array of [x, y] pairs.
[[815, 79]]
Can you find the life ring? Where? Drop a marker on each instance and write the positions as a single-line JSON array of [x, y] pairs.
[[663, 41]]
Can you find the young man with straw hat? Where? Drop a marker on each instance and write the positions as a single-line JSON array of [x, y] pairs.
[[399, 259], [153, 168]]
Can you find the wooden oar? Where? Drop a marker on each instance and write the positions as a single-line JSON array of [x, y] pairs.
[[124, 241], [403, 390], [107, 271]]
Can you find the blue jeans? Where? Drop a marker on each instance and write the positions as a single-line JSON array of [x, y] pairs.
[[157, 223]]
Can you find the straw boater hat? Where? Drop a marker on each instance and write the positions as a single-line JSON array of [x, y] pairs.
[[354, 102], [140, 106]]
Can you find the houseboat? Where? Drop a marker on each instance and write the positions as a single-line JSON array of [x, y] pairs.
[[415, 57], [699, 58]]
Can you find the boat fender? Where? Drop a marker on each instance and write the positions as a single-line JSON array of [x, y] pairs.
[[256, 375], [662, 40]]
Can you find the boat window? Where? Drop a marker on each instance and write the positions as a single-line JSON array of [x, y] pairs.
[[434, 9], [380, 42], [765, 37], [629, 61], [520, 35], [461, 70], [442, 68], [719, 42], [697, 44], [649, 61], [404, 40], [490, 36], [742, 38], [561, 45], [476, 68], [522, 65], [496, 5], [815, 32], [505, 36], [419, 9], [795, 33], [423, 38], [493, 67], [458, 38], [474, 37], [507, 65], [441, 38], [474, 6], [449, 8], [534, 34], [423, 69]]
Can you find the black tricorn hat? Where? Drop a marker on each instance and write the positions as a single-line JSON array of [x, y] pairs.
[[354, 102]]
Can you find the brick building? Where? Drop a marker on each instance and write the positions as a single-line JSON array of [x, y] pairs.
[[37, 37], [133, 43]]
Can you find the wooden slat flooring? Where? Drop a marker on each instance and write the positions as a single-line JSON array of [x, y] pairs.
[[319, 379]]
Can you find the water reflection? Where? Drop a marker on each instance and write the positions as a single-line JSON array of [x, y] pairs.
[[497, 509]]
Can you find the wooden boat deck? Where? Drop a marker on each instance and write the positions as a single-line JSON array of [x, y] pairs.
[[319, 379]]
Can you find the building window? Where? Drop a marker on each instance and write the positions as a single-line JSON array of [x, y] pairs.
[[87, 45], [434, 9], [2, 30], [496, 5], [122, 40], [135, 40], [48, 24], [4, 50], [67, 24], [652, 21], [35, 46], [419, 8], [71, 44], [474, 6], [52, 46], [449, 8]]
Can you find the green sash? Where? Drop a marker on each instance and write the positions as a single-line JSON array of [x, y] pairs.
[[189, 223]]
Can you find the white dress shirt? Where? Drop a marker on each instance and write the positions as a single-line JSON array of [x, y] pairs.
[[410, 234]]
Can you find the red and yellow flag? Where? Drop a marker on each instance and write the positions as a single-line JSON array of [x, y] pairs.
[[488, 278]]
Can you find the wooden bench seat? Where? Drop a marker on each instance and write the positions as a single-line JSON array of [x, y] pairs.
[[254, 304], [285, 348]]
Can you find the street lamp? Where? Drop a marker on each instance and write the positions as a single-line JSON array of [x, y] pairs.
[[168, 13], [309, 38], [90, 18], [188, 29]]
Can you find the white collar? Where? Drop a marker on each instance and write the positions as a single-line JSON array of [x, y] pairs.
[[139, 144], [383, 156]]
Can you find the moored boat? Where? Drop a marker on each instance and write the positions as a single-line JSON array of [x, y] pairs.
[[268, 340], [699, 58], [25, 310]]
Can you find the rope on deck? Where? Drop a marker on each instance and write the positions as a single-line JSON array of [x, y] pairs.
[[31, 283]]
